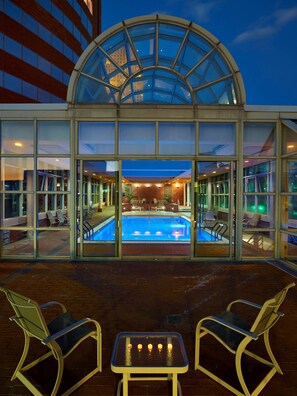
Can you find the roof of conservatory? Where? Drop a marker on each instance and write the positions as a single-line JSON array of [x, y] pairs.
[[156, 59]]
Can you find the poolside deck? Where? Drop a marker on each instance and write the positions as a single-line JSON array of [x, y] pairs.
[[148, 296]]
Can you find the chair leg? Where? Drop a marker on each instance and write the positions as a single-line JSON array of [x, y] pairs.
[[197, 349], [60, 361], [198, 337], [270, 353], [23, 357], [238, 357]]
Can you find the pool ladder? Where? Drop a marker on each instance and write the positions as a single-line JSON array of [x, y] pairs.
[[87, 229], [219, 229]]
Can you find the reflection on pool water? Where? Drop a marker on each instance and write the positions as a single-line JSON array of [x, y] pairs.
[[151, 228]]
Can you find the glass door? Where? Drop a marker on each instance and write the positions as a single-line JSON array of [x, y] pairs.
[[155, 208], [214, 209], [96, 208]]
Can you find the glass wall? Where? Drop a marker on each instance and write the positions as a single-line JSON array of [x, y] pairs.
[[97, 232], [126, 168], [289, 193], [35, 188], [259, 190], [214, 212]]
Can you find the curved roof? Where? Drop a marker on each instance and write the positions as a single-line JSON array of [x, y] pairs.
[[156, 59]]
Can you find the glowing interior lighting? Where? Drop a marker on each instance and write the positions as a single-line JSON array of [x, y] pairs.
[[18, 144], [214, 171], [290, 146]]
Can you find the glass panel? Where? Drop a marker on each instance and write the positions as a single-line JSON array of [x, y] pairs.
[[258, 211], [213, 234], [92, 91], [17, 243], [96, 209], [194, 49], [222, 92], [100, 67], [53, 174], [53, 137], [170, 39], [288, 246], [137, 138], [119, 48], [258, 139], [96, 138], [258, 244], [157, 86], [289, 179], [289, 212], [17, 137], [289, 137], [176, 138], [217, 139], [17, 174], [156, 221], [259, 176], [211, 69], [143, 37], [53, 243], [17, 210]]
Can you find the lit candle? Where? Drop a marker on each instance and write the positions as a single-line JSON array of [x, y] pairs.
[[169, 346], [150, 347], [139, 346], [160, 346]]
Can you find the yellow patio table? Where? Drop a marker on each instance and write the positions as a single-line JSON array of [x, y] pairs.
[[146, 356]]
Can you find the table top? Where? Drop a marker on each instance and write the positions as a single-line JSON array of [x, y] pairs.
[[149, 352]]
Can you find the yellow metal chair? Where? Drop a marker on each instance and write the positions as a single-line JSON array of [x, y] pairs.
[[61, 335], [234, 333]]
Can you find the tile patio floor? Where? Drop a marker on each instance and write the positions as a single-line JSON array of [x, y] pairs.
[[148, 296]]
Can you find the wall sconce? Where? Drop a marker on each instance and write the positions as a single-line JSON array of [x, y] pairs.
[[147, 185], [177, 185]]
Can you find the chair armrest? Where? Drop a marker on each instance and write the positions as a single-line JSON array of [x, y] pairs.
[[70, 328], [228, 325], [51, 303], [242, 301]]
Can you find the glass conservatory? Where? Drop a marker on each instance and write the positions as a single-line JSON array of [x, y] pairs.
[[155, 155]]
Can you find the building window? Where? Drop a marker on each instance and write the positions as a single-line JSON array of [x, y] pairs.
[[96, 138], [216, 139], [137, 138]]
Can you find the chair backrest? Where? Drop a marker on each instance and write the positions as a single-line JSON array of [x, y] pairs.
[[52, 217], [60, 215], [269, 313], [28, 314], [253, 222]]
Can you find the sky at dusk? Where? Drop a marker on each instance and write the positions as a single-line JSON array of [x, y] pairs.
[[261, 35]]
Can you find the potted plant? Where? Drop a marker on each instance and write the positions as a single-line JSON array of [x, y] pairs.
[[129, 194], [167, 198]]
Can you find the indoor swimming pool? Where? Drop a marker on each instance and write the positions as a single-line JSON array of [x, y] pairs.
[[152, 228]]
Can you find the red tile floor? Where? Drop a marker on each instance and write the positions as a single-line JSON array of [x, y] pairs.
[[148, 296]]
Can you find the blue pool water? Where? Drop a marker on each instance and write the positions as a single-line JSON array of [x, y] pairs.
[[150, 228]]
